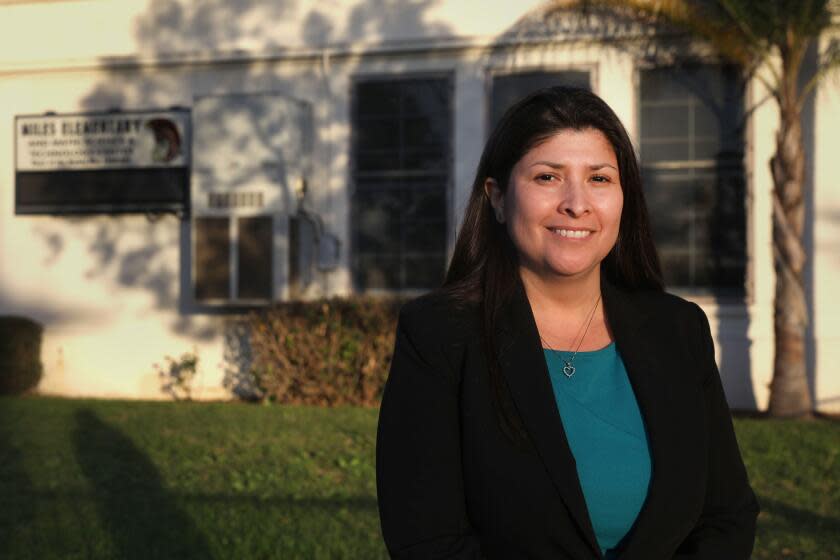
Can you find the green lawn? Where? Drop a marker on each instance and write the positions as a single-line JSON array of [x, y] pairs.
[[794, 467], [113, 479]]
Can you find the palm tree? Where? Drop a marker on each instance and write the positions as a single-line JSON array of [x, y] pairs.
[[769, 40]]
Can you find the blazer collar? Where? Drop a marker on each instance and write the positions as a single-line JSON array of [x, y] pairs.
[[526, 373]]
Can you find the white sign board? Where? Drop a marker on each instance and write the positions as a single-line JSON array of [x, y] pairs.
[[102, 141]]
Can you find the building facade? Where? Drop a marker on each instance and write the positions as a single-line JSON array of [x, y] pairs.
[[281, 150]]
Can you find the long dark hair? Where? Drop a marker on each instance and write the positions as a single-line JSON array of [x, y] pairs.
[[484, 266]]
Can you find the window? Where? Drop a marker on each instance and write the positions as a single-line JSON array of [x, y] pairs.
[[254, 257], [692, 149], [222, 241], [401, 157], [510, 88]]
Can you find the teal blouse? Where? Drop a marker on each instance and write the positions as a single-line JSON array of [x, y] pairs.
[[607, 437]]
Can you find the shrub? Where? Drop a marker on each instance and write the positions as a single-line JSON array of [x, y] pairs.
[[176, 376], [20, 355], [325, 352]]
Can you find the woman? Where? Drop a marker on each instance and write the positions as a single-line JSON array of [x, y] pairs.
[[551, 400]]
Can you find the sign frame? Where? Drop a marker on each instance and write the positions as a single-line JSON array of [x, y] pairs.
[[115, 187]]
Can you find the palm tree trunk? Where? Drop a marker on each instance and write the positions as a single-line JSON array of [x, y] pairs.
[[789, 391]]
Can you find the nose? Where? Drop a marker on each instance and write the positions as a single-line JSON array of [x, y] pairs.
[[574, 202]]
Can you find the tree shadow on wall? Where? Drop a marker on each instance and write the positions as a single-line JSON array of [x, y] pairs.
[[134, 255], [238, 357], [143, 519]]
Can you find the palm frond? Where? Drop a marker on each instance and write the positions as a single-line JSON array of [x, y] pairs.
[[829, 63], [749, 33], [724, 25]]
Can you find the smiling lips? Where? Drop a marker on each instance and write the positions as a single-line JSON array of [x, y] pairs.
[[572, 233]]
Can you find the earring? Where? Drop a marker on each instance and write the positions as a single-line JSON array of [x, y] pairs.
[[500, 216]]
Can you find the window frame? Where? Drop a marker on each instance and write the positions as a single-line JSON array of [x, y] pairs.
[[232, 301], [448, 76], [491, 72], [746, 294]]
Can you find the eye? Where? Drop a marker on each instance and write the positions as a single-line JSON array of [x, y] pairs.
[[601, 179], [545, 177]]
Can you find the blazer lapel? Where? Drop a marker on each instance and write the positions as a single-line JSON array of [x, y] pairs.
[[524, 368]]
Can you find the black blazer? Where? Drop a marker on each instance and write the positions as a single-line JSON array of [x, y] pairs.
[[451, 485]]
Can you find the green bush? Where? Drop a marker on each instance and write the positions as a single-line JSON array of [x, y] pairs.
[[20, 355], [325, 352]]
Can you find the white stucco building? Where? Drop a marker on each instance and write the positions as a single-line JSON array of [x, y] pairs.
[[328, 148]]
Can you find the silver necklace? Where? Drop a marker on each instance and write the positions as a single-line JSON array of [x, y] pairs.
[[569, 363]]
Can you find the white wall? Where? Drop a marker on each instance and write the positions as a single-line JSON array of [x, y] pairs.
[[85, 30], [825, 261]]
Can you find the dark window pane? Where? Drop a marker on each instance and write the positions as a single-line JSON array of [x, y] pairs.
[[706, 149], [707, 121], [377, 99], [676, 267], [401, 174], [692, 156], [424, 98], [378, 134], [425, 201], [377, 272], [297, 263], [371, 161], [509, 89], [665, 121], [427, 236], [376, 220], [658, 84], [425, 132], [255, 263], [421, 272], [425, 160], [411, 132], [669, 150], [212, 258]]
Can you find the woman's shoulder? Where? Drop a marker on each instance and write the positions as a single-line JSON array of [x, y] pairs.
[[663, 302], [648, 300], [670, 320], [675, 314], [667, 309], [439, 312]]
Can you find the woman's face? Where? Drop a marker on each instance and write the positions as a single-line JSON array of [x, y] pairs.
[[562, 208]]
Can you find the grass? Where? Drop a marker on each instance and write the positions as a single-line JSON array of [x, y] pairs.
[[111, 479], [794, 468]]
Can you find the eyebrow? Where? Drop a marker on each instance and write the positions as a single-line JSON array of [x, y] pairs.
[[593, 167]]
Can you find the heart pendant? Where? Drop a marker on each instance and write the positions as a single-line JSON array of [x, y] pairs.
[[569, 369]]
